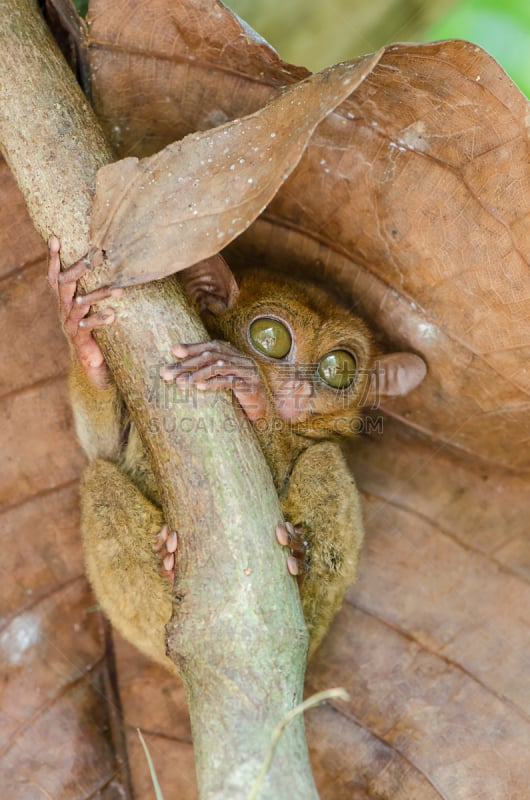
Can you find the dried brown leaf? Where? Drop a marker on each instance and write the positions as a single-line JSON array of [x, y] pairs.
[[159, 215], [413, 198], [432, 643], [427, 228]]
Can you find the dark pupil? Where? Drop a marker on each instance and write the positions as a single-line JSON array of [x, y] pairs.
[[271, 337], [337, 369]]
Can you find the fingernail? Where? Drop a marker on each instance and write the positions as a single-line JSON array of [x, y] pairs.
[[179, 349], [172, 542], [290, 528], [167, 373], [292, 565], [169, 562], [281, 535]]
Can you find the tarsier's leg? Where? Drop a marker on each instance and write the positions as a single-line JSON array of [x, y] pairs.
[[333, 526], [119, 527]]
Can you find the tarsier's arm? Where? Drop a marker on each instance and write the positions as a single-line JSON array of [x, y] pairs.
[[99, 414], [97, 405]]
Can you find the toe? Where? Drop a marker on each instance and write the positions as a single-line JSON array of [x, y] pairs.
[[160, 539], [282, 535], [169, 562], [172, 542], [292, 565]]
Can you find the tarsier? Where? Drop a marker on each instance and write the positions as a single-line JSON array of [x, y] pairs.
[[299, 364]]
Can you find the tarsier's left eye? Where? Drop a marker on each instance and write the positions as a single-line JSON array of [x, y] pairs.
[[270, 337], [337, 369]]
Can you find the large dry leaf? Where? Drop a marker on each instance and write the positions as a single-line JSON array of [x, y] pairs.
[[414, 195], [162, 214], [425, 227]]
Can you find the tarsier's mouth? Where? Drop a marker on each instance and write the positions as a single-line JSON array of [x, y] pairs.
[[322, 427]]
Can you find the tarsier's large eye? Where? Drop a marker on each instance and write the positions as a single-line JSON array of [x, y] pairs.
[[270, 337], [337, 368]]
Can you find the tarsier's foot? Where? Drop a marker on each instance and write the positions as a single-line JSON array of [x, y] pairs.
[[76, 320], [165, 545], [294, 538]]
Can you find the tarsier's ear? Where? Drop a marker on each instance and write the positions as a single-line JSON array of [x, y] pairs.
[[398, 373], [210, 285]]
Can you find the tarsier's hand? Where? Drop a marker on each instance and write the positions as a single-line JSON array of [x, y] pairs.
[[218, 365], [77, 323]]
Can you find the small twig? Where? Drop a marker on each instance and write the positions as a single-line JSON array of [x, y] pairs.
[[314, 700], [158, 790]]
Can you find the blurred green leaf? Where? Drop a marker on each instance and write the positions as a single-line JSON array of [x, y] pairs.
[[502, 27], [82, 7], [317, 34]]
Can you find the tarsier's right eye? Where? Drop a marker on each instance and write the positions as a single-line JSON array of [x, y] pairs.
[[337, 369], [270, 337]]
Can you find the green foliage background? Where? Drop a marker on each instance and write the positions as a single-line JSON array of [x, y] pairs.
[[316, 33], [502, 27]]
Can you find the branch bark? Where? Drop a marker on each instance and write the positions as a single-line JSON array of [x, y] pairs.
[[237, 630]]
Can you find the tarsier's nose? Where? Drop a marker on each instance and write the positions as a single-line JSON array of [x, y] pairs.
[[293, 398]]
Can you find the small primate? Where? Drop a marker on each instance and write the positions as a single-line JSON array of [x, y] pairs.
[[299, 365]]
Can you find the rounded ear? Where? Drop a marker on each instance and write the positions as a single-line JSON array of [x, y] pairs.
[[397, 374], [210, 285]]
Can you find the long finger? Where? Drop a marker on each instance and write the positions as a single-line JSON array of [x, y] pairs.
[[212, 357], [182, 350], [78, 320], [73, 273], [91, 298], [242, 376], [66, 287], [66, 292], [73, 310], [182, 373], [98, 320], [54, 263], [213, 384]]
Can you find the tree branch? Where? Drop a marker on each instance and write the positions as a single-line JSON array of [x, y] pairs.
[[237, 630]]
